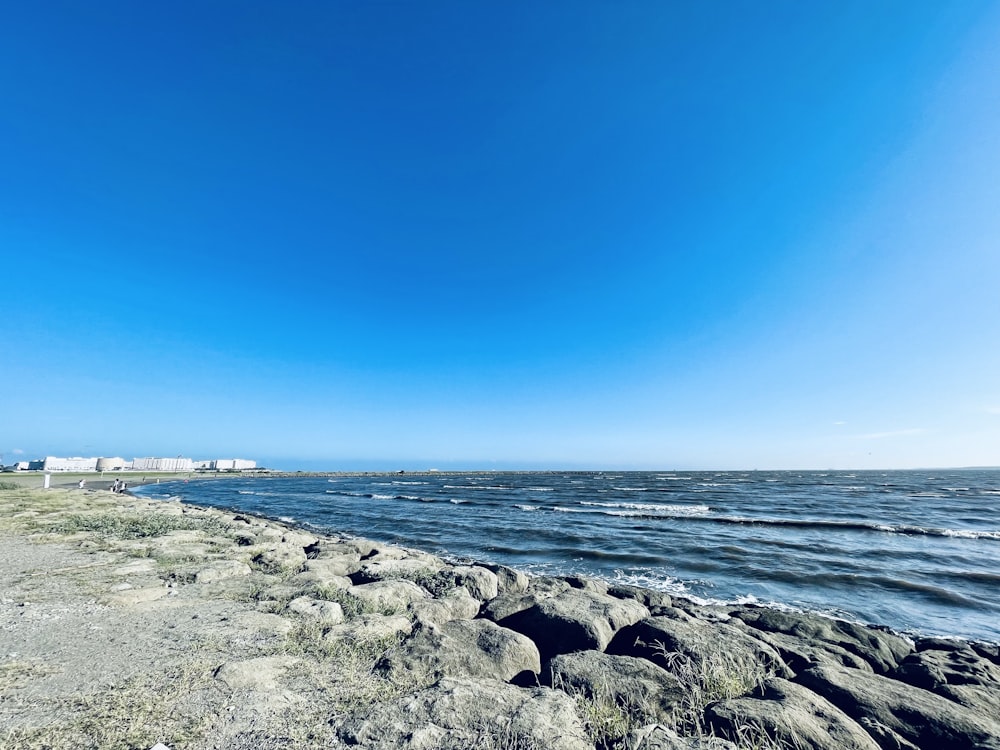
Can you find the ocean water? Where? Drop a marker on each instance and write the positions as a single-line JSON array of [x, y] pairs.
[[918, 551]]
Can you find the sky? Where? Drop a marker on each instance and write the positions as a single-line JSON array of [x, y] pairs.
[[566, 235]]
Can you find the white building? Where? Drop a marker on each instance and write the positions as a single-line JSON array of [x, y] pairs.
[[77, 463], [162, 464], [233, 464]]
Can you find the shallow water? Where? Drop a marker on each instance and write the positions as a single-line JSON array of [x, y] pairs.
[[918, 551]]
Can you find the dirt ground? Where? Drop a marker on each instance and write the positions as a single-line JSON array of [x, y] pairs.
[[109, 637]]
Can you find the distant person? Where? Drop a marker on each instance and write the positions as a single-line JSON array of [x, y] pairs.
[[83, 483], [114, 485]]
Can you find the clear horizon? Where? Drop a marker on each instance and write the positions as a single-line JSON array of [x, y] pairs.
[[721, 237]]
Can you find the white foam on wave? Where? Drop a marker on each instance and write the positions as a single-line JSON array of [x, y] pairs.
[[401, 482], [970, 534], [383, 497], [682, 509], [246, 492], [526, 507], [457, 501], [631, 489]]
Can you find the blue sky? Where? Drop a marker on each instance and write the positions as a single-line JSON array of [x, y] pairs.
[[519, 235]]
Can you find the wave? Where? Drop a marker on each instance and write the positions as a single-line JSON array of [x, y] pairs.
[[457, 501], [526, 507], [853, 526], [665, 510]]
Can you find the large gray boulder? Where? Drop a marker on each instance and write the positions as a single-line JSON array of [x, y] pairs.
[[956, 671], [643, 689], [791, 714], [575, 620], [388, 597], [891, 708], [508, 579], [463, 648], [481, 583], [456, 604], [517, 600], [882, 650], [686, 643], [460, 714]]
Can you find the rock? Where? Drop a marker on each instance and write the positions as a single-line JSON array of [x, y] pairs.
[[456, 604], [791, 714], [254, 674], [310, 579], [690, 645], [649, 599], [391, 596], [956, 671], [298, 538], [317, 609], [263, 622], [508, 579], [801, 654], [406, 568], [637, 685], [575, 620], [881, 649], [481, 583], [221, 570], [918, 716], [331, 567], [369, 628], [659, 737], [463, 648], [954, 665], [280, 558], [587, 584], [458, 714]]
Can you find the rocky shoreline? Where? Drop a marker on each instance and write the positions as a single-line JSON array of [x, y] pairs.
[[127, 622]]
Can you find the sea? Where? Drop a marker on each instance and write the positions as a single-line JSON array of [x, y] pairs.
[[917, 551]]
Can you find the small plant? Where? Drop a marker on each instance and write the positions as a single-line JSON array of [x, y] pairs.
[[120, 526], [9, 486], [717, 674]]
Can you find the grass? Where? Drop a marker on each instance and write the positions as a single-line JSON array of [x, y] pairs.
[[136, 714], [117, 525]]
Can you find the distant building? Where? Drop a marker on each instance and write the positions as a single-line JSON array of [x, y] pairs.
[[232, 464], [162, 464], [111, 464], [77, 463]]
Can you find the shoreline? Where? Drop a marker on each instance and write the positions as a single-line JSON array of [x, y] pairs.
[[269, 611]]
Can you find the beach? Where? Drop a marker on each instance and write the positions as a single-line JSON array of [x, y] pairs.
[[127, 622]]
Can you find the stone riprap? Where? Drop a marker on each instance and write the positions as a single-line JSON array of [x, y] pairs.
[[276, 637]]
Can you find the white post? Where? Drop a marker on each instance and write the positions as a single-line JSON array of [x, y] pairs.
[[46, 480]]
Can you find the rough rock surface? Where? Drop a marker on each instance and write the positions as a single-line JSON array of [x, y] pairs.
[[881, 649], [458, 714], [636, 684], [919, 716], [464, 648], [792, 714], [575, 620]]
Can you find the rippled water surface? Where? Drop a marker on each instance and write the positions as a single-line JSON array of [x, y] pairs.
[[915, 550]]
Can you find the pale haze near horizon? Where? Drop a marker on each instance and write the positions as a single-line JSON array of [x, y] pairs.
[[383, 236]]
